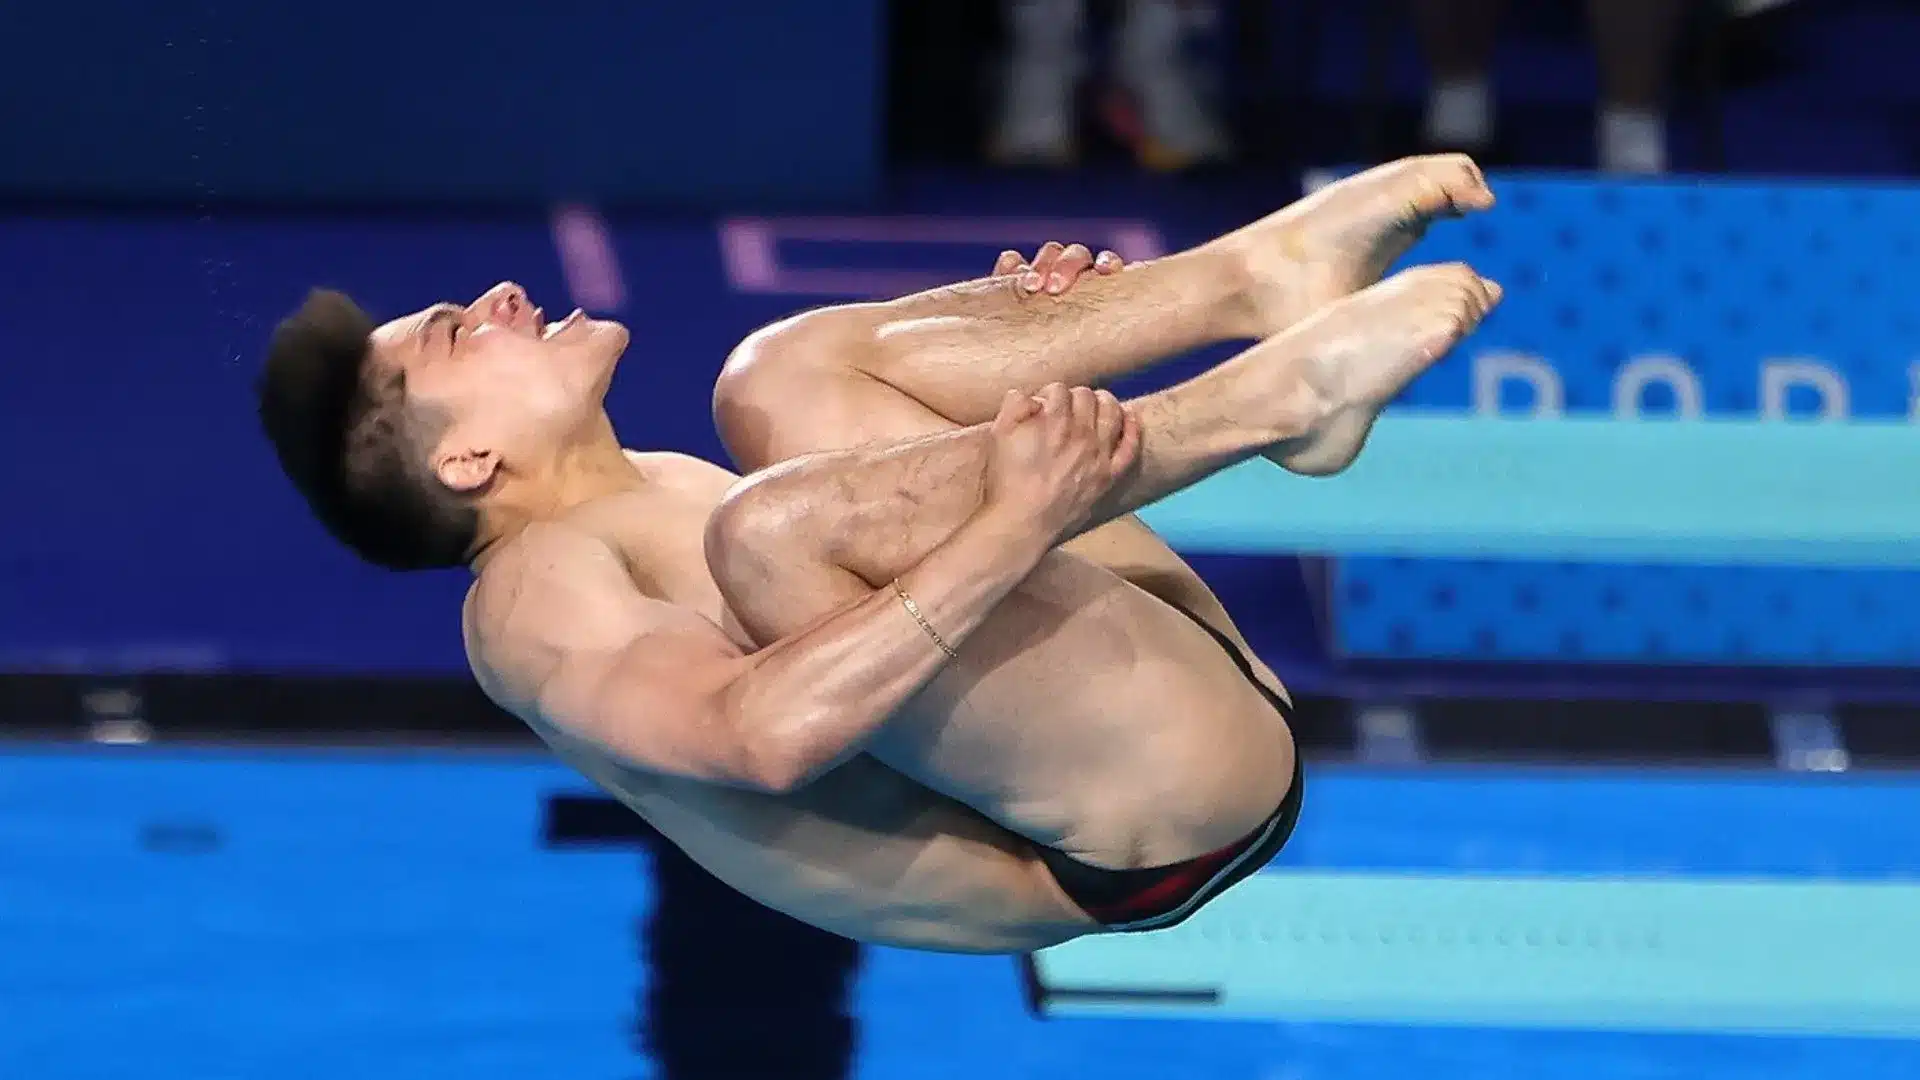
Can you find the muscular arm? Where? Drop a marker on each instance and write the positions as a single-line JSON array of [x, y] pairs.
[[566, 639], [903, 499]]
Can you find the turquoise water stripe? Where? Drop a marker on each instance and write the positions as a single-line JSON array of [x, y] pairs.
[[1831, 958], [1663, 491]]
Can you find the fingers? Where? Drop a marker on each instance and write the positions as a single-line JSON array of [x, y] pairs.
[[1109, 420], [1081, 414], [1043, 267], [1073, 262], [1055, 404], [1086, 411], [1084, 420], [1056, 268], [1068, 411], [1126, 450], [1015, 409]]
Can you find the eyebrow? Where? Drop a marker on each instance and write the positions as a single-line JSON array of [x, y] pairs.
[[436, 317]]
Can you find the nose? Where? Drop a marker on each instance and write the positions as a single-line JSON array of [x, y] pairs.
[[505, 303]]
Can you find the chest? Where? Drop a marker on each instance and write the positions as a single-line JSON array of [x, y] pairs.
[[661, 543]]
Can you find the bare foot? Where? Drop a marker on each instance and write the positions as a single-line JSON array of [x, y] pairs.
[[1361, 351], [1344, 236]]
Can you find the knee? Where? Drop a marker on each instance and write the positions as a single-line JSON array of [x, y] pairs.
[[762, 357], [768, 371], [760, 520]]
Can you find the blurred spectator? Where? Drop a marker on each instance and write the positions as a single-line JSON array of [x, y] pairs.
[[1633, 39], [1160, 109]]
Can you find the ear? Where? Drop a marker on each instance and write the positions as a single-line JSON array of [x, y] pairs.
[[465, 470]]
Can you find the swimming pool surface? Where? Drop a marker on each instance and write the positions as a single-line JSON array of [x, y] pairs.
[[215, 914]]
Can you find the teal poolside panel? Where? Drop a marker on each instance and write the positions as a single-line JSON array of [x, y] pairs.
[[1570, 540], [1717, 491], [1830, 958]]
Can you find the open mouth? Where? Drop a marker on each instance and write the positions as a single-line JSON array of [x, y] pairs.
[[550, 331]]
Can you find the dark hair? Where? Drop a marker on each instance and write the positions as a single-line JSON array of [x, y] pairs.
[[347, 439]]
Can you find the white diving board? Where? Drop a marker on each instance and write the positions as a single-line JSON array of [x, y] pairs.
[[1671, 491], [1733, 955]]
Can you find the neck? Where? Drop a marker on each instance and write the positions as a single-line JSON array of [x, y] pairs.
[[590, 467]]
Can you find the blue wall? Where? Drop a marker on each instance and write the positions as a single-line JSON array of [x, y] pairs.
[[432, 102], [160, 533], [178, 914], [1655, 300]]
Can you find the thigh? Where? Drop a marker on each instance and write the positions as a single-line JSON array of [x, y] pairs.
[[1090, 716], [835, 409], [1129, 548], [866, 853], [1087, 713]]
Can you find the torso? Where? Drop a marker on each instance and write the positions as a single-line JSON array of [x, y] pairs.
[[864, 850]]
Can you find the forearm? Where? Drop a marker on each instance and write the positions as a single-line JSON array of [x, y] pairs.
[[809, 701], [812, 699], [958, 349], [879, 511]]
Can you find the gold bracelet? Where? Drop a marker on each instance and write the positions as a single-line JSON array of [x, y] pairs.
[[913, 609]]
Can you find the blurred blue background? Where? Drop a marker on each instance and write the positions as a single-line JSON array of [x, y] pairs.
[[179, 175]]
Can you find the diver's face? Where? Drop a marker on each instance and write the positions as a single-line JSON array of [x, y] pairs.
[[503, 376]]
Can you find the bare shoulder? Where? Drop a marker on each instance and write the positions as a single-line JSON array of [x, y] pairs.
[[553, 588], [555, 620], [682, 472], [551, 603], [547, 562]]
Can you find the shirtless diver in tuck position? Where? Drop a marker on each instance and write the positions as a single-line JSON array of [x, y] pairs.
[[917, 679]]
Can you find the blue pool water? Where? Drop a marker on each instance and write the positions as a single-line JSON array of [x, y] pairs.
[[210, 915]]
